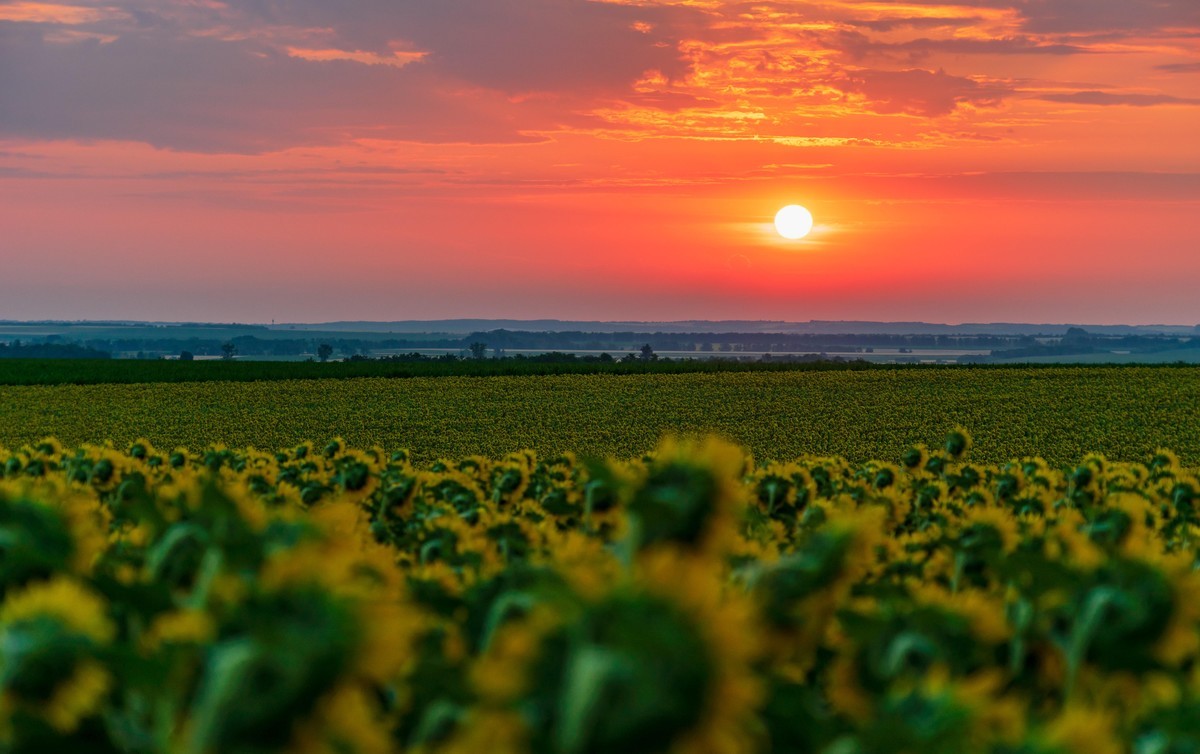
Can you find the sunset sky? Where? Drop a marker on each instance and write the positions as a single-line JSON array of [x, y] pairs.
[[313, 160]]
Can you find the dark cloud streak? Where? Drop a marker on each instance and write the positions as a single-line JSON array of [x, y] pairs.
[[1111, 98], [921, 92], [1179, 67], [859, 46]]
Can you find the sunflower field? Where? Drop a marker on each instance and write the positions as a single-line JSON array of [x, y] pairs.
[[334, 599], [1058, 413]]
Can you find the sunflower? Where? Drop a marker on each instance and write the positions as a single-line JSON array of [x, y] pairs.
[[958, 442], [55, 633], [178, 627], [727, 623], [1180, 639], [985, 613], [998, 520], [691, 495], [345, 721], [1083, 730]]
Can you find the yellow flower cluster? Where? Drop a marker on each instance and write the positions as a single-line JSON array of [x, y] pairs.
[[325, 598]]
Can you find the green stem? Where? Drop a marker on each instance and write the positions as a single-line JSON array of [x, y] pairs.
[[1081, 635]]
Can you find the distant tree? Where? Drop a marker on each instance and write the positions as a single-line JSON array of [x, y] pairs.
[[478, 350], [629, 358], [324, 351], [186, 356], [606, 358], [648, 353], [228, 350]]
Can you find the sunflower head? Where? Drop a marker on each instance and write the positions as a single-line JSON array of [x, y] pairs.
[[281, 654], [915, 457], [38, 540], [986, 534], [1079, 729], [939, 715], [689, 497], [958, 442], [1164, 462], [636, 673], [54, 636]]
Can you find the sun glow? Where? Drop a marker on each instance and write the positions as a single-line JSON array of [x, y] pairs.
[[793, 222]]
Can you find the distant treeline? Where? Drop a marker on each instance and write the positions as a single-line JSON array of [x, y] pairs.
[[497, 342], [252, 345], [707, 342], [19, 350], [78, 372], [560, 357], [1079, 342]]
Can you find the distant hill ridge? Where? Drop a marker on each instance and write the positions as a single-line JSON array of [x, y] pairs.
[[816, 327], [468, 326]]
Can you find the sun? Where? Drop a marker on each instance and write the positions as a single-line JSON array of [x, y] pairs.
[[793, 222]]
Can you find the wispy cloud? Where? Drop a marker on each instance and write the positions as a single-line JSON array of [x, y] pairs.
[[1114, 98]]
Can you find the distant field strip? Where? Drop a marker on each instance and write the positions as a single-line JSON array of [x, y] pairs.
[[1058, 413]]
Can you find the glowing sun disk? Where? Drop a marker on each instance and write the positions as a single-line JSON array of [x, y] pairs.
[[793, 222]]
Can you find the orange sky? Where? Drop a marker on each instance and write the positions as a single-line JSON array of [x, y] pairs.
[[309, 160]]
